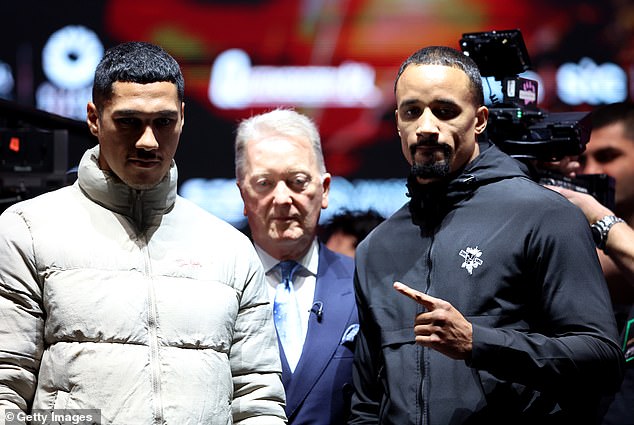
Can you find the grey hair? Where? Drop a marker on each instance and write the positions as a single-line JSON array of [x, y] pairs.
[[281, 122]]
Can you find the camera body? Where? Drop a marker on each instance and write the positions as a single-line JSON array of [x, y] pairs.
[[521, 129]]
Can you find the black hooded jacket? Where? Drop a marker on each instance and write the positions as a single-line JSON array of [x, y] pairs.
[[518, 261]]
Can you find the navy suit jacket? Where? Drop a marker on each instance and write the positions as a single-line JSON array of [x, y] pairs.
[[320, 389]]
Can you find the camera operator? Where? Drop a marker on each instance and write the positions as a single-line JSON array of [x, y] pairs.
[[536, 138], [611, 151]]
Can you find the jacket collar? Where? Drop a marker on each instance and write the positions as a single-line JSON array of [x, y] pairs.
[[431, 202], [142, 207]]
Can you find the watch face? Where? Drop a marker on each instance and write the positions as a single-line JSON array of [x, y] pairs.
[[596, 235]]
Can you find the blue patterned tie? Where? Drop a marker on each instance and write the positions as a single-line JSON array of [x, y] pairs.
[[286, 315]]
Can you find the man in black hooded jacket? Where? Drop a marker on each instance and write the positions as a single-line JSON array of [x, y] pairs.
[[512, 319]]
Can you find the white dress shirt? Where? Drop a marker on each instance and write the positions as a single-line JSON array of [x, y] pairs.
[[304, 279]]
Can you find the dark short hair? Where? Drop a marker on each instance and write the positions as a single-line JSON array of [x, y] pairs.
[[614, 113], [447, 56], [357, 223], [135, 62]]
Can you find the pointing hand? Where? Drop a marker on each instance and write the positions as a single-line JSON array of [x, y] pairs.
[[441, 327]]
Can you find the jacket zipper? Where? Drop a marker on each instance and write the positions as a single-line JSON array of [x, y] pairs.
[[137, 211], [155, 369], [424, 419]]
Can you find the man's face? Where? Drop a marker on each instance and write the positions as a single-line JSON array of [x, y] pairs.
[[610, 152], [437, 120], [138, 131], [283, 193]]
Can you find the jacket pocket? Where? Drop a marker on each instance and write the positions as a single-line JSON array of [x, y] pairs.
[[399, 375], [514, 400], [348, 341], [344, 352]]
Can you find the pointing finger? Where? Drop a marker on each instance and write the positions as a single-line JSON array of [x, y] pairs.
[[421, 298]]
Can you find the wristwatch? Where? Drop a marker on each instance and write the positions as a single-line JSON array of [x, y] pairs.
[[600, 229]]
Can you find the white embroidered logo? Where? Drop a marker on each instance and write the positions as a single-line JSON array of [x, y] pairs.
[[471, 258]]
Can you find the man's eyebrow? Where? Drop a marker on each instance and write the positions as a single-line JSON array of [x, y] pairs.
[[133, 112], [408, 102], [445, 102], [442, 101]]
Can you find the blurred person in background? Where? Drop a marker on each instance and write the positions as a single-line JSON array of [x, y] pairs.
[[343, 232], [611, 151]]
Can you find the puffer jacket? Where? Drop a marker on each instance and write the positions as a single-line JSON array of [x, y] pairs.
[[136, 303]]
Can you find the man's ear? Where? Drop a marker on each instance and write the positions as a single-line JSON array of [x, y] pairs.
[[92, 118], [182, 115], [482, 116], [398, 130], [244, 206], [325, 182]]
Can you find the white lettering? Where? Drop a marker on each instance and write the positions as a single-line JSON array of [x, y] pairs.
[[6, 80], [229, 84], [65, 102], [236, 84], [528, 96], [590, 83]]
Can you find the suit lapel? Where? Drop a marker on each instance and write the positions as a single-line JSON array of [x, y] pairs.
[[334, 290], [286, 369]]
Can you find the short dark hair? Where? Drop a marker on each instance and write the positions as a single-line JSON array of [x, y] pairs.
[[614, 113], [447, 56], [356, 223], [135, 62]]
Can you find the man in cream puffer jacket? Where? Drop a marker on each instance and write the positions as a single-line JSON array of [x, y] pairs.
[[118, 295]]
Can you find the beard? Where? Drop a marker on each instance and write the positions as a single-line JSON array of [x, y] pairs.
[[432, 163], [436, 164]]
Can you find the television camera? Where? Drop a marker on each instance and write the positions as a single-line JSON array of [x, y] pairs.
[[521, 129], [36, 148]]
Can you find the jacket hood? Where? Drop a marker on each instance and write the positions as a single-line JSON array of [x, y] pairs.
[[142, 207], [491, 165], [431, 202]]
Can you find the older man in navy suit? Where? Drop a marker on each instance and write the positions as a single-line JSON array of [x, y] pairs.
[[284, 184]]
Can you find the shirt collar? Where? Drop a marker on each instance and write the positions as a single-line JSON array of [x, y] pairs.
[[310, 261]]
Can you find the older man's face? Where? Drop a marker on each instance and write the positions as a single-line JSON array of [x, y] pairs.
[[283, 192]]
